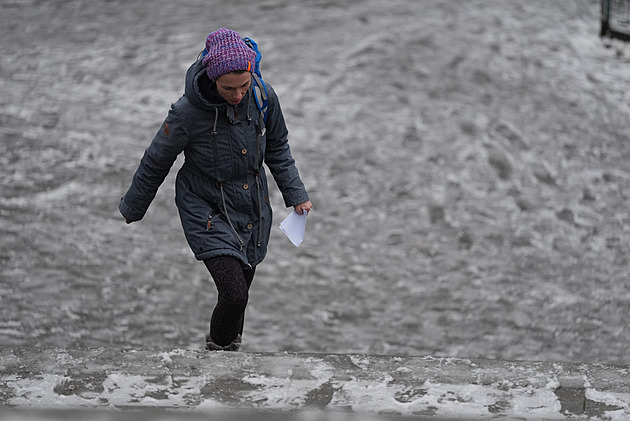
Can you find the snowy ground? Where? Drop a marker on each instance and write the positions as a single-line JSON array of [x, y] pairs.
[[468, 163]]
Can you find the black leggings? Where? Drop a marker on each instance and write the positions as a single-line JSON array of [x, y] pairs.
[[233, 282]]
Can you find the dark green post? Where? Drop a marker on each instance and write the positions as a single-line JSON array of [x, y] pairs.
[[615, 19]]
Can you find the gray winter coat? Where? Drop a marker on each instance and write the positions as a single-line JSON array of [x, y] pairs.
[[221, 194]]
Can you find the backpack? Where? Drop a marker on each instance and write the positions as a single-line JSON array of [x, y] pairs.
[[259, 89]]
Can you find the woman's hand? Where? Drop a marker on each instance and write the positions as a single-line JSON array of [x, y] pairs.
[[306, 206]]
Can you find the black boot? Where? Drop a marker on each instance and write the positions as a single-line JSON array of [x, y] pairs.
[[234, 346]]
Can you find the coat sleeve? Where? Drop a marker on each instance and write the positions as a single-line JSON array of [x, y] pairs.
[[155, 165], [278, 155]]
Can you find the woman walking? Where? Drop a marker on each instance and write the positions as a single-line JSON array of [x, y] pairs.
[[221, 190]]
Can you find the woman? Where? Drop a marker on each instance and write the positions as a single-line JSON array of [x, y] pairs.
[[221, 189]]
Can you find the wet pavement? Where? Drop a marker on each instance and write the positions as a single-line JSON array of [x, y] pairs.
[[468, 164]]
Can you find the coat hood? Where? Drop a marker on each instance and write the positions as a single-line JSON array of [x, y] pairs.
[[196, 88]]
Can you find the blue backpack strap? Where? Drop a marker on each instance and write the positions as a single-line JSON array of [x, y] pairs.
[[260, 96], [260, 90]]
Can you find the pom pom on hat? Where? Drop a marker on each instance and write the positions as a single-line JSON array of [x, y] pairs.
[[227, 52]]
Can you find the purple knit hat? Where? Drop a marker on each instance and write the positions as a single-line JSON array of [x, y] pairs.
[[227, 52]]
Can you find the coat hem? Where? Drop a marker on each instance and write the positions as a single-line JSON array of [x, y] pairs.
[[221, 252]]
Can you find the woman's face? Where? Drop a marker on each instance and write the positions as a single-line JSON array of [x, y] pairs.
[[233, 86]]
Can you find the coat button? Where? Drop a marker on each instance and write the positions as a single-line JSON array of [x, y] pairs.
[[250, 226], [245, 186], [244, 151]]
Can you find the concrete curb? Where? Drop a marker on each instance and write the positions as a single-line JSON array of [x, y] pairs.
[[384, 386]]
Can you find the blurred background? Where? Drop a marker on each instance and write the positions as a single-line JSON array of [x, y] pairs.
[[468, 162]]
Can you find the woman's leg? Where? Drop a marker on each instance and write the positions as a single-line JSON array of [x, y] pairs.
[[249, 277], [232, 283]]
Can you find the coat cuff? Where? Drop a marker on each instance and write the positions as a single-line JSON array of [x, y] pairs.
[[128, 212], [295, 198]]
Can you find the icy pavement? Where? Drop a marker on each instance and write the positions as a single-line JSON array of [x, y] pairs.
[[386, 386]]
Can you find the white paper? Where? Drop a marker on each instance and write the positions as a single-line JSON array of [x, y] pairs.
[[294, 226]]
